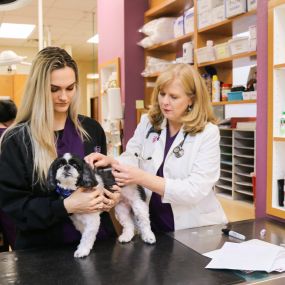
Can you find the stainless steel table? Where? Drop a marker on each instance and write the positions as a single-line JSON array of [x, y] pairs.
[[205, 239]]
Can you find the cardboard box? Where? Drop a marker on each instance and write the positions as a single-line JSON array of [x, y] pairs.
[[251, 5], [178, 28], [189, 21], [235, 7], [218, 14], [204, 19]]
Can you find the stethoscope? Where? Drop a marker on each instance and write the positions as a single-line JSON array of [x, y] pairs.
[[178, 151]]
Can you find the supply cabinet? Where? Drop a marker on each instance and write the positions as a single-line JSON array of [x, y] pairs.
[[276, 105], [219, 29], [237, 164]]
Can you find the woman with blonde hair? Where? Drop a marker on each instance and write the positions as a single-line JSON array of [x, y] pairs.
[[177, 147], [48, 125]]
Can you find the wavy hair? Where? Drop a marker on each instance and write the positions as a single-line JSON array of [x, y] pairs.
[[36, 114], [201, 113]]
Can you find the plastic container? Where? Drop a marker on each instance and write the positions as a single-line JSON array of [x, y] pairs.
[[206, 53], [222, 50], [239, 45], [216, 89], [235, 96], [282, 125], [226, 88]]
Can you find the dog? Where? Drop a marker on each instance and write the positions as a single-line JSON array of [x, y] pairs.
[[68, 172], [65, 175], [132, 211]]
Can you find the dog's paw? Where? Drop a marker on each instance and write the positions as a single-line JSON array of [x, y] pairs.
[[125, 237], [81, 252], [148, 237]]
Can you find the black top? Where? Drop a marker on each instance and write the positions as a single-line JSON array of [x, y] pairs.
[[38, 215]]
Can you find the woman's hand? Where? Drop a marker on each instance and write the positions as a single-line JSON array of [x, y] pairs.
[[84, 200], [111, 199], [99, 160], [125, 174]]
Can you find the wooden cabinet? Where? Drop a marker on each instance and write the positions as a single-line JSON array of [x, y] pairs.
[[13, 86], [237, 164], [276, 105], [169, 50]]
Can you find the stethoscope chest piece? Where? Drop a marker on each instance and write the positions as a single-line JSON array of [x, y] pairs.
[[178, 151]]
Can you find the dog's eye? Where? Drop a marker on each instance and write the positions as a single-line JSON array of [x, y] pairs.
[[74, 164]]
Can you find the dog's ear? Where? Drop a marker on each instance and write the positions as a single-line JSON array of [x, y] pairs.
[[51, 180], [88, 178]]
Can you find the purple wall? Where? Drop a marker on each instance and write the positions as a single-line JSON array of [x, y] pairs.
[[118, 24], [261, 125]]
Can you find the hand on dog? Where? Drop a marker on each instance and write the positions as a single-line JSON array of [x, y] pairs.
[[82, 201], [111, 199], [125, 174], [99, 160]]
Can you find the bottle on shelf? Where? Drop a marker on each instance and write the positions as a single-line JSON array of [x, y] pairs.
[[226, 88], [282, 125], [216, 89], [208, 81]]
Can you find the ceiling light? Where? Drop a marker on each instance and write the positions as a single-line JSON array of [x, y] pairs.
[[15, 31], [12, 4], [92, 76], [94, 39]]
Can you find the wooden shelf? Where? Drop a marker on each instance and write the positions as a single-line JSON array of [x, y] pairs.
[[224, 27], [279, 66], [228, 60], [279, 139], [233, 102], [166, 8], [171, 45]]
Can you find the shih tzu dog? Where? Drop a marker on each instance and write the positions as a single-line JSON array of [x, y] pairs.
[[132, 211], [65, 174], [69, 172]]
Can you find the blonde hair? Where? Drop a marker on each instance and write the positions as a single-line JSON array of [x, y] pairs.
[[194, 86], [36, 114]]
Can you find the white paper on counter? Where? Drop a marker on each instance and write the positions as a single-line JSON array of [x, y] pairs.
[[252, 255]]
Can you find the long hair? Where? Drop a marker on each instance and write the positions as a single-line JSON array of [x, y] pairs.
[[36, 113], [201, 113]]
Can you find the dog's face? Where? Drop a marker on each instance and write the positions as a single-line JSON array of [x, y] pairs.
[[69, 172]]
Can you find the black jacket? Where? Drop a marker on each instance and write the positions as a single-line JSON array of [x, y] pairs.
[[38, 215]]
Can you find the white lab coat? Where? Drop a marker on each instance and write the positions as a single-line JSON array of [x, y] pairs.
[[189, 180]]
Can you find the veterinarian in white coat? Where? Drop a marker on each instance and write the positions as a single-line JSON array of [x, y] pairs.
[[177, 146]]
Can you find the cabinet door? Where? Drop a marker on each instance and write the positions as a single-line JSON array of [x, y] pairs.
[[276, 104], [19, 81], [6, 86]]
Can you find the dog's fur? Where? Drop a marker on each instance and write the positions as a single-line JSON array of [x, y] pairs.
[[69, 172]]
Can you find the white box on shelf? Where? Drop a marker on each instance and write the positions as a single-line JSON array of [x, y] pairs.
[[189, 21], [252, 44], [204, 19], [235, 7], [250, 95], [239, 45], [251, 5], [218, 14], [178, 27], [222, 50], [252, 32], [207, 5], [187, 52], [205, 54]]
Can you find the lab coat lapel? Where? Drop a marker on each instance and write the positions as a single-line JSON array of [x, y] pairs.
[[179, 138], [159, 147]]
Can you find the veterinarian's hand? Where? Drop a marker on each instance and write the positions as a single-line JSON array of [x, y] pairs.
[[84, 201], [111, 199], [125, 174], [99, 160]]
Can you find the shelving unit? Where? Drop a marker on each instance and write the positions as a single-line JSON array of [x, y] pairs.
[[237, 163], [276, 104], [169, 50]]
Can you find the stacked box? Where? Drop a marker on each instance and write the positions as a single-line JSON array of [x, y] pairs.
[[189, 21], [251, 5], [178, 27], [235, 7]]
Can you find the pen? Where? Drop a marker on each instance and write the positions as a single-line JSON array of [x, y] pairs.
[[231, 233]]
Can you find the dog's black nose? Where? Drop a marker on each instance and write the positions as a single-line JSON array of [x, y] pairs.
[[67, 167]]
